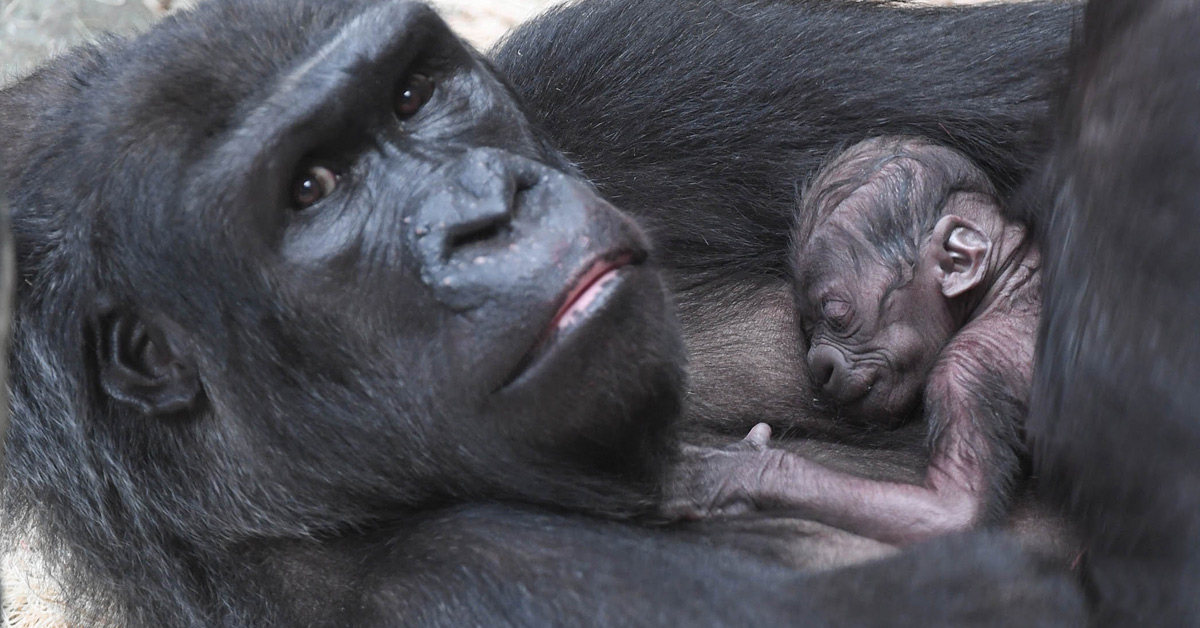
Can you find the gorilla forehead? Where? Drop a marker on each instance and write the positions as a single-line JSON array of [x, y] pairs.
[[156, 106], [234, 67], [154, 110]]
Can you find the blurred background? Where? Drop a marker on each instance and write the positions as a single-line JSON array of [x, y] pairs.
[[30, 30]]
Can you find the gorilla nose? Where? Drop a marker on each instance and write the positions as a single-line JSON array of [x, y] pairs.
[[829, 370], [466, 231], [489, 186], [471, 205]]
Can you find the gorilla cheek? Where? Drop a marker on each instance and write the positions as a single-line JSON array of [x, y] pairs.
[[902, 385]]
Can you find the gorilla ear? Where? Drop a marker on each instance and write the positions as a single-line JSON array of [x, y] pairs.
[[138, 366], [961, 250]]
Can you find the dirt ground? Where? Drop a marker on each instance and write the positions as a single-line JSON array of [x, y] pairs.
[[30, 30]]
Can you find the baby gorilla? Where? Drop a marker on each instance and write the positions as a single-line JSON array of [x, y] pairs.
[[913, 292]]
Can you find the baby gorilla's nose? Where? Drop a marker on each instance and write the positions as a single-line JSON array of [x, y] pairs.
[[828, 369], [835, 375]]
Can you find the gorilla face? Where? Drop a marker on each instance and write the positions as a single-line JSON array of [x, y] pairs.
[[340, 282]]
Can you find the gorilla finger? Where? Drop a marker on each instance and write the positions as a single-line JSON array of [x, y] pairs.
[[759, 436]]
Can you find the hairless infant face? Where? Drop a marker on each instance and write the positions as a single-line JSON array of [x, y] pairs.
[[888, 249], [873, 335]]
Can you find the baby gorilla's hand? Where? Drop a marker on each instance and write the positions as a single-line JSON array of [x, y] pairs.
[[713, 481]]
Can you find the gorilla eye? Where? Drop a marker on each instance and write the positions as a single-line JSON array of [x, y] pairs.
[[837, 313], [314, 184], [414, 92]]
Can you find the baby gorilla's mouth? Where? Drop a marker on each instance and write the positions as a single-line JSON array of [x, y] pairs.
[[879, 405]]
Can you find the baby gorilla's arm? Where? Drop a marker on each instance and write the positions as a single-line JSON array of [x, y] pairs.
[[975, 399], [751, 476]]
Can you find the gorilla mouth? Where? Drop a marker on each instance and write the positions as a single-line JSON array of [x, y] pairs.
[[587, 295], [586, 290]]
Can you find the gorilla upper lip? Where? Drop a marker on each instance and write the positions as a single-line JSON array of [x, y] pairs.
[[852, 395], [869, 408]]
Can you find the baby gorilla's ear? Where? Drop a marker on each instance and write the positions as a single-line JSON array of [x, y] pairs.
[[960, 250]]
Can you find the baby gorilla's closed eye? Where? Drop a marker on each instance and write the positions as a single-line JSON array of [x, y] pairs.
[[837, 314]]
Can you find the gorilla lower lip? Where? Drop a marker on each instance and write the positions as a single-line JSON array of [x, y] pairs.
[[587, 289]]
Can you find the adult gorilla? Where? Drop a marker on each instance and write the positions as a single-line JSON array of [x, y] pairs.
[[314, 329]]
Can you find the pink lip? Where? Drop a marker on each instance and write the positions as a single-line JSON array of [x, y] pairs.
[[581, 293], [588, 286]]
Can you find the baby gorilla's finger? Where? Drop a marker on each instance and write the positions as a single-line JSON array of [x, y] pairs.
[[759, 436]]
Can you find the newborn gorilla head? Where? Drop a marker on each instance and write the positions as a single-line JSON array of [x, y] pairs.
[[889, 257], [280, 285]]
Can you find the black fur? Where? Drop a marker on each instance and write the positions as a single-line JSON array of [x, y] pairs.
[[229, 410], [333, 468], [704, 118], [7, 276], [1115, 416], [758, 93]]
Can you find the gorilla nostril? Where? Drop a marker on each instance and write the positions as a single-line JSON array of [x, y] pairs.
[[827, 374], [490, 189], [823, 364], [822, 368], [824, 372], [479, 234], [525, 181]]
